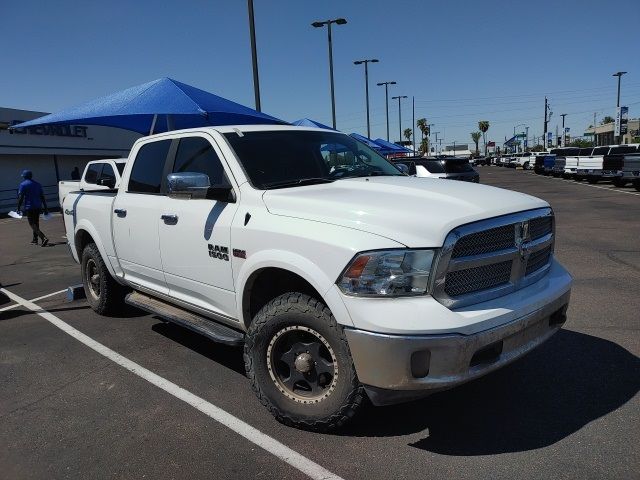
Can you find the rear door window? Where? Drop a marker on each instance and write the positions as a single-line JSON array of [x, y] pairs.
[[148, 166], [108, 173], [93, 173]]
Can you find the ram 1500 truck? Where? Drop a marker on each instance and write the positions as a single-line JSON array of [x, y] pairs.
[[98, 175], [342, 277], [613, 164], [590, 167]]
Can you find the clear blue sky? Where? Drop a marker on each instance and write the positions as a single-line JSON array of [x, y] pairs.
[[462, 60]]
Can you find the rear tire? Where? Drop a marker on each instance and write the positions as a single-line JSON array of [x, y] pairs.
[[636, 185], [300, 366], [593, 180], [104, 294]]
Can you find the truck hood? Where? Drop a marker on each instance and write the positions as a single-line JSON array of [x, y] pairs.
[[417, 212]]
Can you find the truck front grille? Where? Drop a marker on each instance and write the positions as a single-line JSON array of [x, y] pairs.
[[487, 259]]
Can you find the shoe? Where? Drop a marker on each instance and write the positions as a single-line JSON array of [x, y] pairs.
[[34, 242], [45, 242]]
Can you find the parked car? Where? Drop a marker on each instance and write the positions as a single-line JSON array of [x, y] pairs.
[[590, 167], [572, 163], [98, 175], [613, 163], [341, 276], [447, 168], [631, 169], [561, 159]]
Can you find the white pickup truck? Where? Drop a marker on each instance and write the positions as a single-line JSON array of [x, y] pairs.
[[341, 276], [101, 174]]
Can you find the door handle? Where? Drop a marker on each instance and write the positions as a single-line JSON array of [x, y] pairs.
[[169, 219], [120, 212]]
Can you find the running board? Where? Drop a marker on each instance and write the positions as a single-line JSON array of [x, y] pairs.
[[197, 323]]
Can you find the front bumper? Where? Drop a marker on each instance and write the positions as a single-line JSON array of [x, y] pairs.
[[396, 368]]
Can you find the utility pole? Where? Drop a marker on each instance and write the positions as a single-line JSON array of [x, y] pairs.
[[254, 56], [594, 129], [413, 125], [436, 142], [544, 135], [564, 136]]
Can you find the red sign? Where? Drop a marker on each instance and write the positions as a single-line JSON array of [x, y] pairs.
[[491, 144]]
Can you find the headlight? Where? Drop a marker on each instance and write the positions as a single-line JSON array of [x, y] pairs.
[[388, 273]]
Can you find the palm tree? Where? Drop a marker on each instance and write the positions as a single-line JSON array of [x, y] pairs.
[[407, 133], [422, 125], [475, 136], [483, 126]]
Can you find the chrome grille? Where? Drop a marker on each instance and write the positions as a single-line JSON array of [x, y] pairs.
[[539, 227], [478, 278], [487, 259], [538, 260], [486, 241]]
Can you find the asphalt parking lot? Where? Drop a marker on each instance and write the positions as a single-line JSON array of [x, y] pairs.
[[570, 409]]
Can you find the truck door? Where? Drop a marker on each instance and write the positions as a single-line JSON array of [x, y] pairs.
[[195, 234], [135, 218]]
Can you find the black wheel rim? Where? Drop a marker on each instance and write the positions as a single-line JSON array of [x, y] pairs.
[[92, 275], [302, 364]]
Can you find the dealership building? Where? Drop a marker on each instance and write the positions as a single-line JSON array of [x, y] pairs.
[[51, 152]]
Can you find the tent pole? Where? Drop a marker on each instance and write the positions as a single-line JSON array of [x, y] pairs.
[[153, 124], [169, 122]]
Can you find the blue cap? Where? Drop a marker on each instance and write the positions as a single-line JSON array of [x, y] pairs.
[[27, 174]]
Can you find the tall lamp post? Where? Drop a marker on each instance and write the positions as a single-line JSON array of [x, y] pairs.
[[366, 86], [338, 21], [386, 99], [399, 98], [619, 75], [436, 143], [564, 135], [254, 56]]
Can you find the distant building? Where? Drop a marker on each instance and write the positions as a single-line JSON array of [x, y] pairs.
[[605, 133], [461, 150], [51, 152]]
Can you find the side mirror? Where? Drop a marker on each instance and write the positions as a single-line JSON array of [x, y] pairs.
[[107, 182], [197, 185], [403, 168]]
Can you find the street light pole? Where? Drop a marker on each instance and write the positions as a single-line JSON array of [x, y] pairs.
[[619, 75], [399, 98], [366, 86], [386, 97], [339, 21], [564, 136], [436, 143], [254, 56]]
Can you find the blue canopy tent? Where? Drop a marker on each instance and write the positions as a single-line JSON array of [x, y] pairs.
[[389, 148], [307, 122], [158, 106], [367, 141]]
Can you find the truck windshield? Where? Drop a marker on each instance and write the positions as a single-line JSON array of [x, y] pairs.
[[287, 158], [434, 166]]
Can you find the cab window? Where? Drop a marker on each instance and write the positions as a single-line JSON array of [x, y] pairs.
[[195, 154], [93, 172]]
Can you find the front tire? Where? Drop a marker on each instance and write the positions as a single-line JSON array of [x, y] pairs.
[[104, 294], [619, 182], [300, 366]]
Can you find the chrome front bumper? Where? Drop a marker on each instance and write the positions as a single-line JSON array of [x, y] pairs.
[[396, 368]]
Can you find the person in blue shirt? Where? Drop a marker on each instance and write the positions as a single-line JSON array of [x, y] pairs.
[[31, 195]]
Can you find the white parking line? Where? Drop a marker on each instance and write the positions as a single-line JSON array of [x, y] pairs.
[[271, 445], [573, 182], [16, 305]]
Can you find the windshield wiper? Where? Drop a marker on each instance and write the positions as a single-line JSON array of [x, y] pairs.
[[299, 182], [374, 173]]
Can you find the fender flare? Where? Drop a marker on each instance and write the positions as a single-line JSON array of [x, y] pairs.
[[301, 266], [84, 225]]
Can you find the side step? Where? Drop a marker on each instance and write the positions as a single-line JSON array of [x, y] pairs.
[[202, 325]]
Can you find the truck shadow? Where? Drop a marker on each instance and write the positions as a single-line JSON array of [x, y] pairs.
[[230, 357], [568, 382]]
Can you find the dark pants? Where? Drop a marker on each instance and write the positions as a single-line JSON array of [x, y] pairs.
[[33, 215]]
